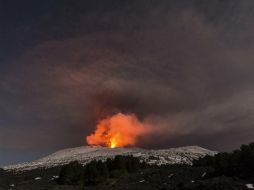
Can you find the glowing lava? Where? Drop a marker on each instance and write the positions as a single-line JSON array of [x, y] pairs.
[[118, 130], [113, 143]]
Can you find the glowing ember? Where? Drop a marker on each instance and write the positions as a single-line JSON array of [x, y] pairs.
[[117, 131]]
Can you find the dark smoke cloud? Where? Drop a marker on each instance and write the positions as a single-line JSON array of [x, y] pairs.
[[186, 67]]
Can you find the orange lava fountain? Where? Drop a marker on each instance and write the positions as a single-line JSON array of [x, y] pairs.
[[118, 130]]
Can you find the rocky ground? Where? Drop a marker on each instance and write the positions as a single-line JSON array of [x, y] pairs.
[[163, 178]]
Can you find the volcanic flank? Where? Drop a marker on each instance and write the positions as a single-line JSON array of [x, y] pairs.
[[85, 154]]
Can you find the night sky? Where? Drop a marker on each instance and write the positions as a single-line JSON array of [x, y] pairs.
[[186, 66]]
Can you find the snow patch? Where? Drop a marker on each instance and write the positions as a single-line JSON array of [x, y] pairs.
[[37, 178], [204, 174], [249, 186], [54, 177]]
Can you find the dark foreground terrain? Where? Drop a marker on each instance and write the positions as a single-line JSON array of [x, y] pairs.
[[178, 177], [224, 171], [150, 178]]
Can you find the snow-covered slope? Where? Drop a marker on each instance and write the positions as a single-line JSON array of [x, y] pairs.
[[85, 154]]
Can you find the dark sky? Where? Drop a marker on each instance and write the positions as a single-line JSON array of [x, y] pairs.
[[186, 66]]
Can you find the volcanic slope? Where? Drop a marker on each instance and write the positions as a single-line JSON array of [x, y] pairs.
[[85, 154]]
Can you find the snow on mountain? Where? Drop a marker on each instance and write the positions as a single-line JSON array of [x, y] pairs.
[[85, 154]]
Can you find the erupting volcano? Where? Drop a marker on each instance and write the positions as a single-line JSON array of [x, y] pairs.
[[118, 130]]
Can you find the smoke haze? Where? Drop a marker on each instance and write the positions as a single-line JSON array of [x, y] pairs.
[[185, 67]]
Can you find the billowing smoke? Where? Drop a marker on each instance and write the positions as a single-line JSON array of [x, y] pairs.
[[157, 59], [117, 131]]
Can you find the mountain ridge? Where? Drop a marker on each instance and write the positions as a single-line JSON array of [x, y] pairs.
[[85, 154]]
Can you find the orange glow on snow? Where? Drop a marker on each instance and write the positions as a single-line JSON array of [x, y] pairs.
[[118, 130]]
